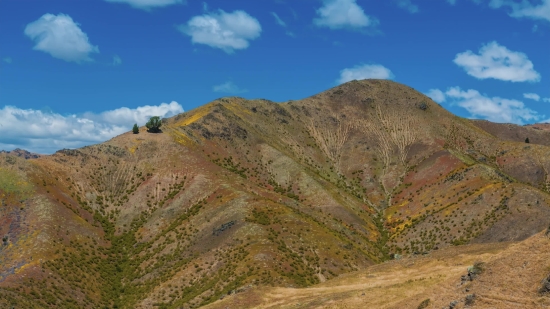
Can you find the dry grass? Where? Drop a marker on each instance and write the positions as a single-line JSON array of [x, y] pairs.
[[511, 279]]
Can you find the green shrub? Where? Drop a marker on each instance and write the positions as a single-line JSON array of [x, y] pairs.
[[153, 125], [424, 304]]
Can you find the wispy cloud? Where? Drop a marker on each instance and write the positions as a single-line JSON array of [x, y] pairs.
[[278, 19], [407, 5], [364, 71], [46, 131], [148, 4], [7, 59], [61, 37], [497, 62], [228, 87], [341, 14], [226, 31], [116, 60]]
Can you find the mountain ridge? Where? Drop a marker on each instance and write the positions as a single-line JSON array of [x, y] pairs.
[[251, 192]]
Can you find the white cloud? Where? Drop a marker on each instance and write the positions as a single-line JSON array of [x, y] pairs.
[[545, 99], [278, 19], [436, 95], [227, 31], [7, 60], [452, 2], [117, 60], [524, 9], [498, 62], [338, 14], [228, 87], [61, 37], [45, 132], [364, 71], [148, 4], [407, 5], [532, 96], [493, 109]]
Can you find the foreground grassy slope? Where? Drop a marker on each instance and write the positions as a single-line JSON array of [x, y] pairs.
[[242, 193], [511, 278]]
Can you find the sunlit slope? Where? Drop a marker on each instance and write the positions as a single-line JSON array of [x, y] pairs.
[[511, 276]]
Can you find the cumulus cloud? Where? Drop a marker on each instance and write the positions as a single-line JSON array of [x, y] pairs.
[[61, 37], [46, 131], [498, 62], [148, 4], [436, 95], [227, 31], [338, 14], [364, 71], [532, 96], [491, 108], [407, 5], [546, 100], [228, 87], [117, 60], [525, 8]]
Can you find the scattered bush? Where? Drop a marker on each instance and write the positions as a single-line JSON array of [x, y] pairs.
[[545, 286], [424, 304], [470, 299], [423, 106], [478, 268]]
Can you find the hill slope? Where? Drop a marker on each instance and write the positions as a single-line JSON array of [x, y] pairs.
[[251, 192], [511, 277]]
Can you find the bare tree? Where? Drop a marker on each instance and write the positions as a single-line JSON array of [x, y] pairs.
[[331, 140], [393, 131]]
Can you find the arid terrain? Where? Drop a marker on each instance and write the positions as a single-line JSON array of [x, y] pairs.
[[367, 195]]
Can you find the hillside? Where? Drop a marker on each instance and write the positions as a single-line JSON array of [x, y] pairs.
[[511, 277], [251, 193]]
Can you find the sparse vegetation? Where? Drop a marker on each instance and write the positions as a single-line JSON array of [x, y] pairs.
[[225, 203]]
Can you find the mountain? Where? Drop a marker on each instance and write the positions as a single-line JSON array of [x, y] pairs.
[[240, 194]]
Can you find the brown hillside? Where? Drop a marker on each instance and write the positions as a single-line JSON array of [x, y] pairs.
[[512, 277], [537, 133], [240, 193]]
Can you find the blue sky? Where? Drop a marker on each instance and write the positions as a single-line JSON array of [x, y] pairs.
[[78, 72]]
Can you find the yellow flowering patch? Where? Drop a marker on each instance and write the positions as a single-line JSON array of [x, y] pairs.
[[12, 182]]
